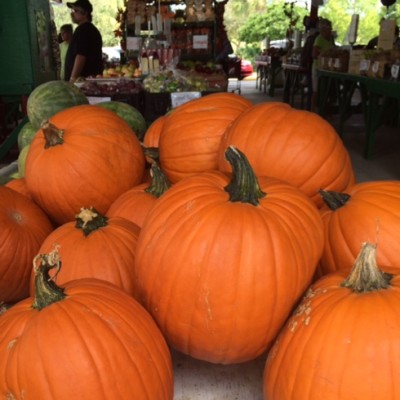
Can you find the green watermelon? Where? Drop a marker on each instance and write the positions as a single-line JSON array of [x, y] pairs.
[[51, 97], [21, 161], [129, 114], [26, 134]]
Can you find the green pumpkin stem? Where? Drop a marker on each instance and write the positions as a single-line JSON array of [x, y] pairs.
[[46, 291], [159, 182], [151, 152], [365, 275], [334, 200], [52, 135], [244, 186], [89, 220]]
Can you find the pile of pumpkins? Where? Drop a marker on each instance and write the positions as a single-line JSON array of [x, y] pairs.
[[225, 230]]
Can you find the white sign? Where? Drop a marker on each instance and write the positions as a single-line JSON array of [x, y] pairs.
[[94, 100], [200, 41], [178, 98], [133, 43]]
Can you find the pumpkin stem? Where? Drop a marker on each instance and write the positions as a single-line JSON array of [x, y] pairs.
[[52, 135], [365, 275], [244, 186], [90, 220], [159, 182], [46, 291], [151, 152], [334, 200]]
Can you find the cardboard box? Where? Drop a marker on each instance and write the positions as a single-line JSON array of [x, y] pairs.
[[356, 56], [386, 34]]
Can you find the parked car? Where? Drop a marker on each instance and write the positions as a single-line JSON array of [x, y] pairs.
[[246, 68]]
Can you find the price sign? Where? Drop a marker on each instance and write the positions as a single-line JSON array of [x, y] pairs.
[[395, 71], [178, 98], [200, 41]]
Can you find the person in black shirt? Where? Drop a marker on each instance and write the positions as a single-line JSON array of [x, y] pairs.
[[84, 56]]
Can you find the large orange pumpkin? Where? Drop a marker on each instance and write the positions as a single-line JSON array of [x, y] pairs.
[[85, 157], [19, 185], [191, 135], [87, 340], [24, 226], [135, 204], [95, 246], [368, 211], [297, 146], [221, 263], [343, 340], [152, 136]]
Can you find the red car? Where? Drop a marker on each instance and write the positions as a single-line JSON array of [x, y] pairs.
[[246, 68]]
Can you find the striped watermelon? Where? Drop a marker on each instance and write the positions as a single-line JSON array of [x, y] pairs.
[[129, 114], [51, 97], [26, 134]]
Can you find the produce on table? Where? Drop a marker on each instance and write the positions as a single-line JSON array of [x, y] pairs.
[[343, 340], [92, 237], [85, 156], [51, 97], [221, 262], [297, 146], [24, 226], [191, 135], [174, 81], [110, 88], [86, 340], [129, 114], [368, 211]]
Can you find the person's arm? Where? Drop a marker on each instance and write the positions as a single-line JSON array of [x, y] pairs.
[[79, 63]]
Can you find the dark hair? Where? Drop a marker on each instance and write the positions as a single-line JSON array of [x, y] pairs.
[[67, 28]]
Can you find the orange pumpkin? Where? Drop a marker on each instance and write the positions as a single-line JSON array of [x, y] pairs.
[[368, 211], [342, 341], [19, 185], [153, 132], [95, 246], [135, 204], [85, 157], [191, 135], [221, 263], [297, 146], [63, 343], [24, 226]]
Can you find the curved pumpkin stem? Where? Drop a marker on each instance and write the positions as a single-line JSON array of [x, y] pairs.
[[151, 152], [334, 200], [90, 220], [46, 291], [159, 182], [52, 135], [244, 186], [365, 275]]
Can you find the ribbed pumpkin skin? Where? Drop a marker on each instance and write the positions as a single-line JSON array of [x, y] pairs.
[[49, 98], [107, 253], [338, 345], [98, 343], [297, 146], [24, 226], [221, 277], [133, 205], [152, 135], [192, 133], [371, 214], [99, 160]]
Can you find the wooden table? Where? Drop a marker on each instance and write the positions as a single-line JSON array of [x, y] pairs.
[[376, 94], [294, 84], [268, 69]]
